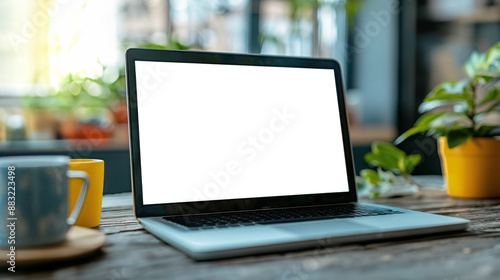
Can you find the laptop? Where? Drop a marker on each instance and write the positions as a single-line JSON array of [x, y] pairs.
[[236, 154]]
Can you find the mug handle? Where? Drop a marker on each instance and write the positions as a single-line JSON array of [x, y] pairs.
[[83, 195]]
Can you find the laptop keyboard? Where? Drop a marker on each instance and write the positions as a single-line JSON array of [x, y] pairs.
[[262, 217]]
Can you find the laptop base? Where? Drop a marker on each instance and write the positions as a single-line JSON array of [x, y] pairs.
[[221, 243]]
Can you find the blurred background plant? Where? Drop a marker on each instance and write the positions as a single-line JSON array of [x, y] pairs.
[[86, 103], [392, 176], [82, 106]]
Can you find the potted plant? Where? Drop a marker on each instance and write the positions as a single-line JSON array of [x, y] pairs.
[[465, 118]]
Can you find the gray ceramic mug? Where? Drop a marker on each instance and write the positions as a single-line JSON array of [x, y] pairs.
[[34, 200]]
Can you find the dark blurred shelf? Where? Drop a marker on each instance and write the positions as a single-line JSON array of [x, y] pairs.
[[115, 155], [61, 145]]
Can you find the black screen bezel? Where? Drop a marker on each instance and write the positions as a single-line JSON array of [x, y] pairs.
[[171, 209]]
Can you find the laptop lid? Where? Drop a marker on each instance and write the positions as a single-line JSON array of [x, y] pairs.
[[214, 132]]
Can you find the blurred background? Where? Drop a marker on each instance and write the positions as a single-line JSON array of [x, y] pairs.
[[62, 88]]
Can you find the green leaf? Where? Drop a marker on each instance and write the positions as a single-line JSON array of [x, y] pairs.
[[423, 124], [427, 106], [388, 157], [486, 74], [375, 194], [448, 91], [381, 148], [385, 155], [410, 132], [411, 162], [491, 95], [477, 61], [371, 177], [443, 95], [484, 110], [387, 161], [176, 45], [458, 137], [426, 120], [493, 55], [487, 89], [461, 107]]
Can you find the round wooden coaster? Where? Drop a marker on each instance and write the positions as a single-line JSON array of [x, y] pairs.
[[79, 242]]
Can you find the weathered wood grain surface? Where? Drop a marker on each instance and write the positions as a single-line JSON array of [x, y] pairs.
[[132, 253]]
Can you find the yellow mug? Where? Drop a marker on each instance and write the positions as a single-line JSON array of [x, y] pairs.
[[90, 215]]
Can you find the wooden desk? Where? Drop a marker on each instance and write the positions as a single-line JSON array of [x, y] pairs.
[[132, 253]]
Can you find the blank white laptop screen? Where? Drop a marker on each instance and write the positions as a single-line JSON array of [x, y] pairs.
[[215, 132]]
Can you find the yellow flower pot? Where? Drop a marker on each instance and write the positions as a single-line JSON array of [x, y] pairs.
[[472, 170]]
